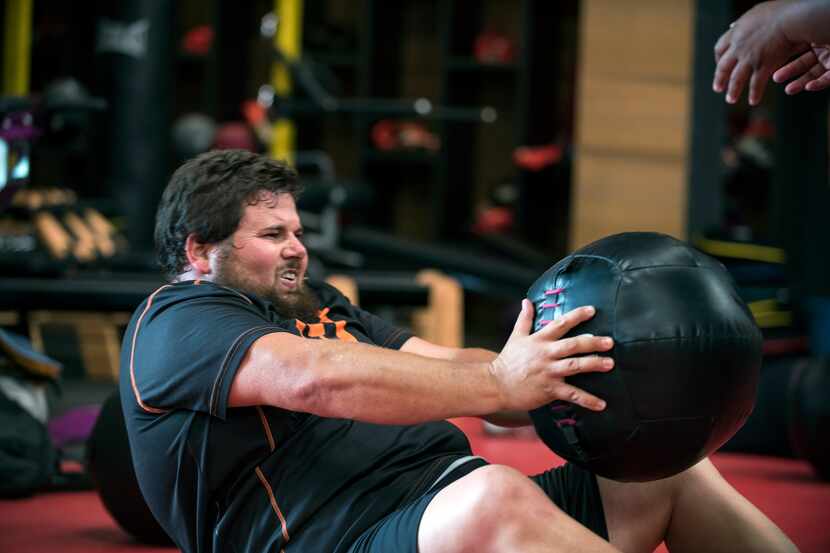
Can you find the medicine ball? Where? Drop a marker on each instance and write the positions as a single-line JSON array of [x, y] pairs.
[[110, 465], [687, 356]]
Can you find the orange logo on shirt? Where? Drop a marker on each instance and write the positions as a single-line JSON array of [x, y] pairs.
[[326, 329]]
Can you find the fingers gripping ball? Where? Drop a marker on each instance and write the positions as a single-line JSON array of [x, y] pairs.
[[687, 356], [111, 466]]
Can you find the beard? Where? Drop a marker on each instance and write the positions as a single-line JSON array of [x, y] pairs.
[[302, 303]]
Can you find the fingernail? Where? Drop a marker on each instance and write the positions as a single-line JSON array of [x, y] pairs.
[[588, 335], [608, 363], [607, 341], [590, 309], [730, 98], [601, 404]]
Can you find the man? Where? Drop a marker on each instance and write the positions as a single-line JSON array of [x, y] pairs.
[[266, 413], [762, 41]]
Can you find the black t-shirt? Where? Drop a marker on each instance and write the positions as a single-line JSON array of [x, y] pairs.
[[259, 478]]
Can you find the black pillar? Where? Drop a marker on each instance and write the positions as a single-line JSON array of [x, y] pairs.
[[705, 186], [135, 51], [802, 194]]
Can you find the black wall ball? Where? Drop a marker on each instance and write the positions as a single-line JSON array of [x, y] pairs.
[[687, 356], [110, 465]]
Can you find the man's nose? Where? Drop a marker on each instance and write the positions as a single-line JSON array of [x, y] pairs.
[[294, 248]]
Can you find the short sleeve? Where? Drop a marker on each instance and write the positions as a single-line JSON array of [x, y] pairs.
[[381, 332], [183, 353]]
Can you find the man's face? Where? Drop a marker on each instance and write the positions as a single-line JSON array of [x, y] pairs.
[[265, 256]]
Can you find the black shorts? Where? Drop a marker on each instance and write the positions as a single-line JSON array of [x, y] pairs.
[[571, 488]]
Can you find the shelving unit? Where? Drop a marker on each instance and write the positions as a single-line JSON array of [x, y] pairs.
[[414, 49]]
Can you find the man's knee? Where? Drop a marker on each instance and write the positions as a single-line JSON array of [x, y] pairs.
[[508, 491], [490, 506]]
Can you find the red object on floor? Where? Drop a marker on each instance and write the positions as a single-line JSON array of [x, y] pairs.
[[785, 489]]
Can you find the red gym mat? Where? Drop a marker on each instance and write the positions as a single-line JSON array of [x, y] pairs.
[[785, 489]]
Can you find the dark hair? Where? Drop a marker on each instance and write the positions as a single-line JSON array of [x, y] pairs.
[[207, 195]]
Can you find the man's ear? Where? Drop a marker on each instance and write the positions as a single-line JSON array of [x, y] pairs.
[[198, 254]]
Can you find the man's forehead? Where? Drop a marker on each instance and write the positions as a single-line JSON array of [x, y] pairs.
[[270, 208]]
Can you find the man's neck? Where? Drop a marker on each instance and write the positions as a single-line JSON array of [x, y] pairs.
[[192, 275]]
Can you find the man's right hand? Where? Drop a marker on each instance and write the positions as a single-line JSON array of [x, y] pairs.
[[531, 368]]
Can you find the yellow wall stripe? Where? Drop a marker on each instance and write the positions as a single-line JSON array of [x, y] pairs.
[[753, 252], [288, 39], [16, 47]]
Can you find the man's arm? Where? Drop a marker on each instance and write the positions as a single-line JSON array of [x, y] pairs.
[[763, 39], [807, 21], [362, 382], [422, 347]]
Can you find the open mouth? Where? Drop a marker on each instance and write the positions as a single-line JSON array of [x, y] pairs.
[[289, 278]]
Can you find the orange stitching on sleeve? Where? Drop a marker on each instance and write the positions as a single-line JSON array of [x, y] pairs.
[[141, 404]]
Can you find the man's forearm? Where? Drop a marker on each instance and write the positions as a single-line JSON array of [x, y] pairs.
[[473, 355], [371, 384], [422, 381], [387, 386]]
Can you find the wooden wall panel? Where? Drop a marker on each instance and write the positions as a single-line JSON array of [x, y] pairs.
[[637, 39], [624, 193], [632, 118]]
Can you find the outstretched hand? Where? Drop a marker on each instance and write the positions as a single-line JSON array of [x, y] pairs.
[[751, 50], [531, 368], [811, 71]]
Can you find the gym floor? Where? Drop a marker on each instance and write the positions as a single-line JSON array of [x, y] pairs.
[[785, 489]]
